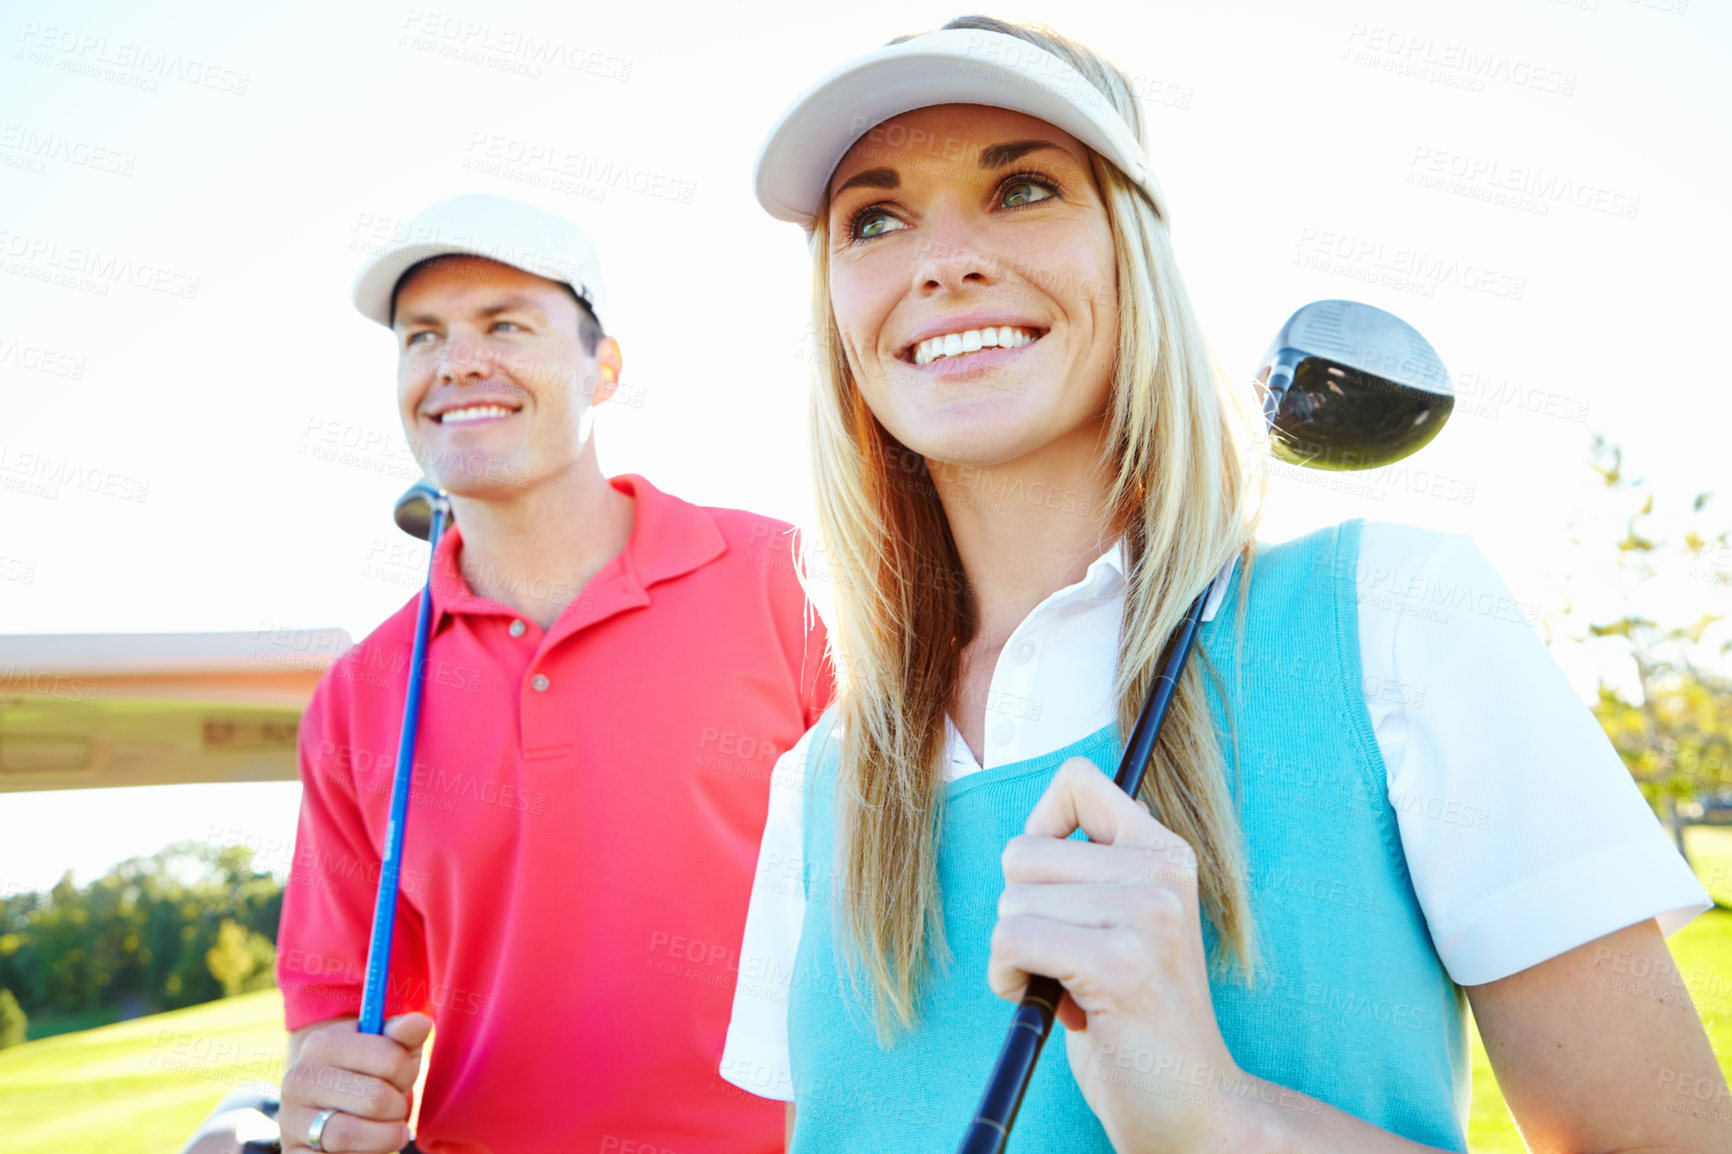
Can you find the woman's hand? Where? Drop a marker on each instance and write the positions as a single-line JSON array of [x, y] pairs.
[[1116, 920]]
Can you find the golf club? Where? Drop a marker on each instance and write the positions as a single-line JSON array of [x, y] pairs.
[[1345, 386], [1349, 386], [423, 511]]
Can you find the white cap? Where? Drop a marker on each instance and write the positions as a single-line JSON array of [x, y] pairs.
[[950, 66], [480, 224]]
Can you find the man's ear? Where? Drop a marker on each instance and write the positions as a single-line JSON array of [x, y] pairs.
[[608, 366]]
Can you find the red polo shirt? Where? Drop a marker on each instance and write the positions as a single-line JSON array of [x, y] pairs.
[[581, 838]]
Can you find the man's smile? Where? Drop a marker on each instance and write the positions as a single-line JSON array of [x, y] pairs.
[[471, 413]]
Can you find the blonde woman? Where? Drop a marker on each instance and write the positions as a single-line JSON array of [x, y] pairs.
[[1027, 466]]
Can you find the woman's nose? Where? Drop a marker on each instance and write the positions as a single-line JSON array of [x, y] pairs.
[[952, 254]]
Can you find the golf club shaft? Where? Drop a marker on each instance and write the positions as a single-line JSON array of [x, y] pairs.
[[391, 864], [1029, 1028]]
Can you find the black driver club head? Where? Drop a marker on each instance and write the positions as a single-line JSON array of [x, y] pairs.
[[414, 509], [1347, 385]]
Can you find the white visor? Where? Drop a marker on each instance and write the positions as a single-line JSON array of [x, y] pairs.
[[952, 66]]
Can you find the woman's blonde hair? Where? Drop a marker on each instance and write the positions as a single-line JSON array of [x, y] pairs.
[[1184, 500]]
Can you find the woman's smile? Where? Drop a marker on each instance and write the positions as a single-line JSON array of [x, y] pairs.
[[956, 340]]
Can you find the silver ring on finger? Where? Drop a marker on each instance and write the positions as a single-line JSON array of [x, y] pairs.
[[316, 1132]]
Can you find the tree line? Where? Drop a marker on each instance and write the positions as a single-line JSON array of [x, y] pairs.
[[185, 925]]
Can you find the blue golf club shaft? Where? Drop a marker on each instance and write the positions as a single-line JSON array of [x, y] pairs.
[[391, 864], [1032, 1023]]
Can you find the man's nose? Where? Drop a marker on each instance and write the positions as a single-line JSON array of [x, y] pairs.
[[464, 358]]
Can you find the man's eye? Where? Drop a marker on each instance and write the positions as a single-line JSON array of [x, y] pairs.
[[512, 325], [1026, 192], [415, 338]]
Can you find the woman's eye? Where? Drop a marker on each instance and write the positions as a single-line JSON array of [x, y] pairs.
[[877, 224], [874, 223], [1026, 192]]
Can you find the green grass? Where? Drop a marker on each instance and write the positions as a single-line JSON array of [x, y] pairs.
[[70, 1023], [138, 1087], [1702, 949], [142, 1087], [1710, 849]]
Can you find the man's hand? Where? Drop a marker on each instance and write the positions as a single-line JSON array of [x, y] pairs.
[[366, 1078]]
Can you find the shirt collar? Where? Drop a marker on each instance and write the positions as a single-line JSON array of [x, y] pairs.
[[669, 538], [1106, 576]]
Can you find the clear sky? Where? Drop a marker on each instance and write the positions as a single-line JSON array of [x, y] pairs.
[[187, 190]]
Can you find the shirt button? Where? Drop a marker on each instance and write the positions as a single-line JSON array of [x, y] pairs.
[[1003, 732], [539, 682], [517, 628], [1025, 652]]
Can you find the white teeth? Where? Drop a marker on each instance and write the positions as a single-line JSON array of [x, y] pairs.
[[969, 341], [473, 413]]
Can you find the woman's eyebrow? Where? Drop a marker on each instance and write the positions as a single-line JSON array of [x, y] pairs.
[[871, 178], [992, 156], [1000, 155]]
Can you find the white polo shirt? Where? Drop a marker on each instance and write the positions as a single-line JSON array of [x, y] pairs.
[[1525, 835]]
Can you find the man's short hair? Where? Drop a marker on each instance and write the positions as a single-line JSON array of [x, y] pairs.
[[589, 330]]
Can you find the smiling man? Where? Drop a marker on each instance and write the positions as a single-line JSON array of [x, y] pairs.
[[612, 673]]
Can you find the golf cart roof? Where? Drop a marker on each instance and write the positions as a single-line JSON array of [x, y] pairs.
[[94, 710]]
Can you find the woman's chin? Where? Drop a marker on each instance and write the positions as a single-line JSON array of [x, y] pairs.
[[971, 446]]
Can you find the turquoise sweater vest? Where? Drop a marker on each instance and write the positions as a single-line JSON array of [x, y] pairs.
[[1351, 1005]]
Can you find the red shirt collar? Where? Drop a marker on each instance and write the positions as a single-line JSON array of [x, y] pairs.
[[669, 538]]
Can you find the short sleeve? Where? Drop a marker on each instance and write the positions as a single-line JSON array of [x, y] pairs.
[[817, 679], [327, 916], [1524, 833], [755, 1054]]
